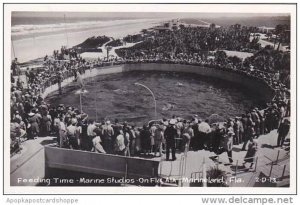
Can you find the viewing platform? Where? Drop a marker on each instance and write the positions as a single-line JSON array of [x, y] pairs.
[[272, 163]]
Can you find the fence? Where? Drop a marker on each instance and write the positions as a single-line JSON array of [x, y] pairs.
[[260, 166], [282, 168]]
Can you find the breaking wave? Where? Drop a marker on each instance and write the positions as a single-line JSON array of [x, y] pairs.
[[31, 29]]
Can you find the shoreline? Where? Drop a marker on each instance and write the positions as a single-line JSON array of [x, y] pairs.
[[31, 48], [27, 36]]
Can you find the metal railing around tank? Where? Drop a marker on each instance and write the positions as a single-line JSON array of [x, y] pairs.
[[276, 162]]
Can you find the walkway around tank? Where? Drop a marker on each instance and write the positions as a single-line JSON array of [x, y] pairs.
[[30, 164]]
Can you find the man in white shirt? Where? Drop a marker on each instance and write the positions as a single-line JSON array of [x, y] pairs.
[[120, 144], [90, 133], [62, 133], [72, 134], [204, 130]]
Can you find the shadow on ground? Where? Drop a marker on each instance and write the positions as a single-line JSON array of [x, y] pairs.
[[267, 146], [48, 141]]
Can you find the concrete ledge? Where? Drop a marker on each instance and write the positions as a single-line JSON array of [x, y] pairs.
[[99, 164]]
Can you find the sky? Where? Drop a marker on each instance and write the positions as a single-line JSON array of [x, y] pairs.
[[140, 14]]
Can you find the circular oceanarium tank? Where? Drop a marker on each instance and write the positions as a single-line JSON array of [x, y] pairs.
[[115, 96]]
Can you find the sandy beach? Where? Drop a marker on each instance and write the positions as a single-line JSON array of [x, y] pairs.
[[38, 46]]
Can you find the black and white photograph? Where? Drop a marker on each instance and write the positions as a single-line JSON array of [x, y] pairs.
[[161, 99]]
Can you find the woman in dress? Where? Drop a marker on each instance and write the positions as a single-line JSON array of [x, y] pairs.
[[252, 149]]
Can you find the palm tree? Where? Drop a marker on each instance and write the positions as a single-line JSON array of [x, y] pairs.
[[279, 30]]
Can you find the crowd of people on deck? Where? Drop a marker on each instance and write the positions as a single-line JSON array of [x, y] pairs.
[[75, 130], [26, 94], [31, 116], [64, 54], [193, 45], [189, 40], [54, 70]]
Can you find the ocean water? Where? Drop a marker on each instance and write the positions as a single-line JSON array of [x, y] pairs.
[[35, 34], [33, 30], [116, 96], [35, 39]]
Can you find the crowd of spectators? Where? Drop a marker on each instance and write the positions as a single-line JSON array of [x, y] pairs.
[[32, 117], [26, 95], [191, 40], [74, 130], [203, 46]]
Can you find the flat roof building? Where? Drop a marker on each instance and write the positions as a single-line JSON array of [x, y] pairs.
[[265, 29]]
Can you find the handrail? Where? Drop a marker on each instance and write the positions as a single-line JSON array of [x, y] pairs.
[[277, 159], [276, 163]]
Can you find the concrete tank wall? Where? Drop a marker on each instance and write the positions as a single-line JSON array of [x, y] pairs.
[[88, 74], [256, 86]]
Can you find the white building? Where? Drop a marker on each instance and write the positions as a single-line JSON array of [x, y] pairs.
[[265, 29]]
